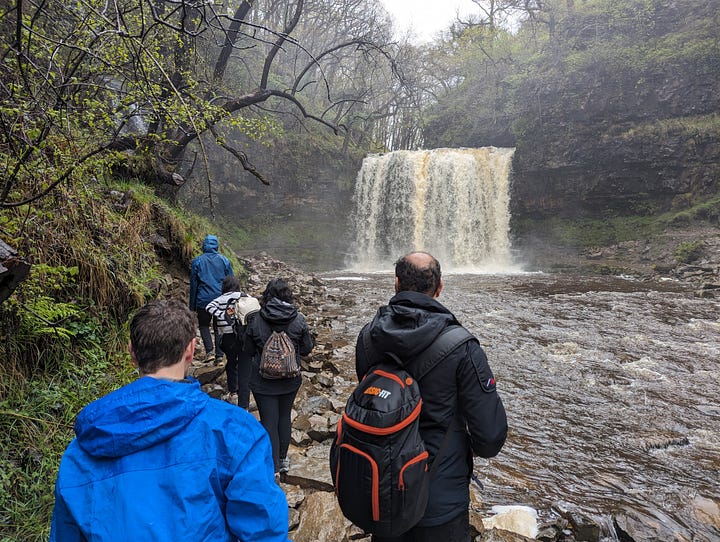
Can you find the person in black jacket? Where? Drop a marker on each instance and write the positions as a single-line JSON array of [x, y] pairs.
[[274, 398], [459, 395]]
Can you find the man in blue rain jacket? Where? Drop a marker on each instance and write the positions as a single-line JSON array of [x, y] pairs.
[[207, 272], [160, 460]]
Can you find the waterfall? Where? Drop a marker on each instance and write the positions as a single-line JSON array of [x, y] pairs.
[[453, 203]]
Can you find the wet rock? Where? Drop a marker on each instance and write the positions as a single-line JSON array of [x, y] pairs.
[[322, 427], [295, 495], [552, 532], [161, 245], [572, 525], [708, 290], [663, 269], [293, 519], [663, 441], [310, 468], [214, 390], [161, 286], [321, 520], [207, 374], [312, 365], [518, 519], [316, 405], [14, 269], [706, 511], [635, 526], [583, 527], [476, 523], [498, 535], [323, 379], [300, 438], [338, 405]]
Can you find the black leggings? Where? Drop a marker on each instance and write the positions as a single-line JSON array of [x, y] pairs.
[[275, 417]]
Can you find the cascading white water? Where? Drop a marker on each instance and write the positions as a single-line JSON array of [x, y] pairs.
[[453, 203]]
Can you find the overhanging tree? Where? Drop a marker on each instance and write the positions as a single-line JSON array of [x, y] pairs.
[[130, 84]]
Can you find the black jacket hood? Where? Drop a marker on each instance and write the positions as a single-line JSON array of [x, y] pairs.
[[408, 324], [278, 312]]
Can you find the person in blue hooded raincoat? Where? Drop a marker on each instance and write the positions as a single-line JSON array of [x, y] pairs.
[[160, 460], [207, 272]]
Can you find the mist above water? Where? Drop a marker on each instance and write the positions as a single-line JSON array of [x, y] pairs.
[[453, 203]]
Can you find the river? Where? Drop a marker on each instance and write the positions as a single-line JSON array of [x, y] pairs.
[[611, 385]]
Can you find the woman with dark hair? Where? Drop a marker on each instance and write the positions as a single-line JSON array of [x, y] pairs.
[[274, 398]]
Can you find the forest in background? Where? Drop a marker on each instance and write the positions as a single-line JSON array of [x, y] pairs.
[[129, 130]]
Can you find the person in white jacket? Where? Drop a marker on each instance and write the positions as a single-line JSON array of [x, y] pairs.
[[238, 364]]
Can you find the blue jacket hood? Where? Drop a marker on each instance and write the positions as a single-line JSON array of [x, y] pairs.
[[212, 480], [109, 426], [210, 244]]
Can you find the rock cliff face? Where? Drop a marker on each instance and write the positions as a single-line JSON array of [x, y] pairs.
[[621, 142], [301, 216]]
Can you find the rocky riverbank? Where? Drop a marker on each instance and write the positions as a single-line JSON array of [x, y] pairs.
[[328, 379], [689, 256]]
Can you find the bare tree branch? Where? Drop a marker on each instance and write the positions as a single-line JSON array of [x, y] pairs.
[[241, 156]]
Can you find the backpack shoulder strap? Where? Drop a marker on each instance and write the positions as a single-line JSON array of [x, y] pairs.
[[367, 346], [449, 339]]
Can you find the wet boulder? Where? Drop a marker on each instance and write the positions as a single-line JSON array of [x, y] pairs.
[[584, 527], [706, 511], [521, 520], [636, 526], [207, 374], [310, 467]]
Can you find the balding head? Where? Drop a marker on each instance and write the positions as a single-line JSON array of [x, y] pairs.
[[418, 272]]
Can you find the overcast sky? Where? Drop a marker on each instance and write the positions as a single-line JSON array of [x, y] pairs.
[[427, 17]]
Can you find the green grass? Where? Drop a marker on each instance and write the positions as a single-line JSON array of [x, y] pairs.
[[63, 336], [688, 251], [36, 424]]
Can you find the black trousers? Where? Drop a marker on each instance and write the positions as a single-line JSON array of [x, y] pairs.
[[455, 530], [237, 368], [204, 320], [275, 413]]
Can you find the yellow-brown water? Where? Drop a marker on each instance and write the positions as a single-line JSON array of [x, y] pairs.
[[451, 202]]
